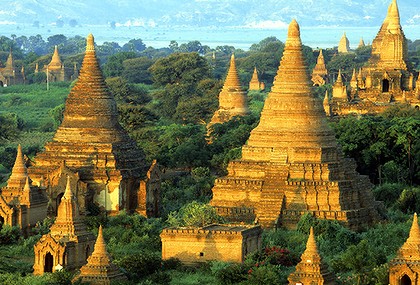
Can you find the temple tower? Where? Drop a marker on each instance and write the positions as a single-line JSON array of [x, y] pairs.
[[55, 69], [291, 164], [21, 203], [93, 144], [344, 44], [255, 83], [404, 269], [339, 89], [232, 98], [68, 244], [10, 75], [388, 62], [99, 269], [311, 269], [319, 73]]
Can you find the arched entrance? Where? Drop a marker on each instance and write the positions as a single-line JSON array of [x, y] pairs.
[[405, 280], [58, 201], [48, 262], [385, 85]]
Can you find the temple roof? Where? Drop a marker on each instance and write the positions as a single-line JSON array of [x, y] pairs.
[[99, 264], [292, 116], [232, 78], [344, 44], [55, 63], [410, 250], [19, 171], [90, 112]]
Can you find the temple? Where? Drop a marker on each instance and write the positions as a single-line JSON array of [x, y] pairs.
[[319, 73], [21, 203], [311, 269], [404, 269], [255, 84], [106, 165], [68, 244], [99, 269], [55, 69], [232, 98], [291, 164], [344, 44], [387, 79], [10, 74]]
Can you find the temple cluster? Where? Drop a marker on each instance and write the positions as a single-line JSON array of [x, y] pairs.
[[291, 165]]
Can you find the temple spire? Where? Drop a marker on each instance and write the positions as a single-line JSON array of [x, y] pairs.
[[232, 78], [55, 60], [394, 25], [19, 172]]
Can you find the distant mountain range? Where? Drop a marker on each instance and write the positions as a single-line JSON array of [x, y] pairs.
[[199, 13]]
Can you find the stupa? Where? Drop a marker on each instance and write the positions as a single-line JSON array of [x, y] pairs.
[[292, 164], [255, 83], [388, 79], [344, 44], [311, 269], [319, 73], [55, 69], [10, 75], [93, 145], [99, 269], [232, 98], [21, 203], [405, 267], [68, 244]]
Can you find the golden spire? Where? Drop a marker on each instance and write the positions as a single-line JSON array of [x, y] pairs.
[[68, 221], [320, 59], [361, 43], [25, 198], [360, 75], [344, 44], [90, 105], [255, 75], [339, 78], [353, 80], [19, 172], [311, 255], [55, 63], [232, 79], [394, 18], [410, 249], [10, 61], [99, 264], [290, 106]]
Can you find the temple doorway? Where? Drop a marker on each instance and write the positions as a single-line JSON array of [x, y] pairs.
[[48, 262], [385, 85], [405, 280], [58, 201]]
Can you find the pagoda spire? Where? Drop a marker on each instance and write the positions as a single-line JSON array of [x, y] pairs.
[[19, 171], [55, 60], [90, 105], [232, 77], [25, 198], [311, 269], [394, 25], [291, 110], [99, 264]]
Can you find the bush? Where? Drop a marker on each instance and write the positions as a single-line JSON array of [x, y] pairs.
[[139, 265], [9, 234], [388, 193], [232, 274]]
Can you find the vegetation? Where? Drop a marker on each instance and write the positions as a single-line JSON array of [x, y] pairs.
[[165, 97]]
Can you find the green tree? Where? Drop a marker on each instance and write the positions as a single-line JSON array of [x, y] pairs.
[[194, 214], [134, 45], [179, 68], [114, 66], [136, 70]]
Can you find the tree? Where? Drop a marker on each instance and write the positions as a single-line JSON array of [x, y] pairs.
[[57, 40], [179, 68], [114, 66], [136, 70], [134, 45], [10, 125], [194, 214]]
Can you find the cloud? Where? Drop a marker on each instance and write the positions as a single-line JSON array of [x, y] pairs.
[[267, 25], [7, 23]]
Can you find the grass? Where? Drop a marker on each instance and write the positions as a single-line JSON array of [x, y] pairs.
[[192, 278], [32, 103]]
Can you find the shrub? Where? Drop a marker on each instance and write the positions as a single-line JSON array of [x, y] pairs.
[[9, 234], [139, 265]]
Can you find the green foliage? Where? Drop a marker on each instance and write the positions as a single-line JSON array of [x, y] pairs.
[[179, 68], [194, 214], [114, 65], [9, 234], [136, 70], [388, 193], [10, 126], [139, 265]]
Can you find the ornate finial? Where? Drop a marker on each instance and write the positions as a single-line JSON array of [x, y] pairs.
[[27, 187], [90, 43], [415, 230], [100, 247], [68, 193], [339, 78], [311, 244], [293, 34]]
